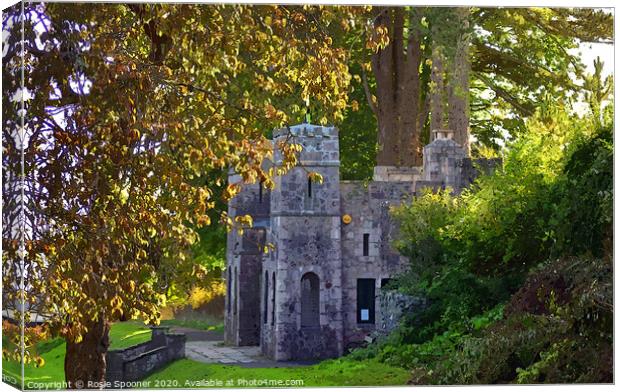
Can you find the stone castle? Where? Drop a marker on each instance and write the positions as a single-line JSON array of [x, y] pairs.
[[320, 290]]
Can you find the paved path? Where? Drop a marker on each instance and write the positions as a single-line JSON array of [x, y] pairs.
[[218, 353], [208, 347], [199, 334]]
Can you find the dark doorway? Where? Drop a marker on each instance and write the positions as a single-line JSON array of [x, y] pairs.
[[310, 299], [366, 301]]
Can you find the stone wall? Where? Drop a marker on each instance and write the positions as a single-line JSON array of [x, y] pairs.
[[397, 174], [393, 306], [442, 160], [446, 165], [306, 245], [136, 362], [244, 255], [368, 206]]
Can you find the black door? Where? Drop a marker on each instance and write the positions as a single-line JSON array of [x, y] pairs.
[[366, 301]]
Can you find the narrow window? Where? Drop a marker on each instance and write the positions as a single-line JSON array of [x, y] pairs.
[[266, 298], [310, 298], [366, 243], [228, 288], [309, 187], [366, 301], [235, 279], [260, 192], [273, 298]]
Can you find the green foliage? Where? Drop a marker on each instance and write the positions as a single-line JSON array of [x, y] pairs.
[[422, 224], [210, 250], [396, 350], [570, 342], [470, 252], [522, 56], [587, 181], [358, 134]]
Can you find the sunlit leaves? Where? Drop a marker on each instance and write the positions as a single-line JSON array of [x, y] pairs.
[[315, 177]]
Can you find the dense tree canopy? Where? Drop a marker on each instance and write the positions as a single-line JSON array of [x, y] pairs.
[[126, 107]]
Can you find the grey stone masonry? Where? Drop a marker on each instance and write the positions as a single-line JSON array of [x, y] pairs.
[[321, 290], [136, 362]]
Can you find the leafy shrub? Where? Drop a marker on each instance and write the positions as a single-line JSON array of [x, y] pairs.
[[470, 252], [570, 342], [587, 181]]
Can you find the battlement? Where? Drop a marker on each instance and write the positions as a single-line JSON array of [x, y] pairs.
[[306, 130], [320, 145]]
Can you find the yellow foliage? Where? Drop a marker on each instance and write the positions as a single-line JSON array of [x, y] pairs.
[[201, 295]]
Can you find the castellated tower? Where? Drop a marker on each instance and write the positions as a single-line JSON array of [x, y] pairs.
[[302, 293], [324, 288]]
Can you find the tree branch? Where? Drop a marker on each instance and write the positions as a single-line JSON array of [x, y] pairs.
[[523, 108], [367, 92]]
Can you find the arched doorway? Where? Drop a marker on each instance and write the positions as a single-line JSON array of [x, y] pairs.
[[310, 300]]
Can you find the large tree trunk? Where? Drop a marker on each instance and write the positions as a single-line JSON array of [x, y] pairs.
[[383, 69], [396, 71], [85, 361], [409, 105], [458, 88], [400, 113]]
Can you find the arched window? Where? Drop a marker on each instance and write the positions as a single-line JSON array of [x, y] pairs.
[[266, 297], [228, 288], [310, 299], [273, 298]]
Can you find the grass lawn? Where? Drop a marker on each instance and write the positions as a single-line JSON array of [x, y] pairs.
[[122, 335], [186, 373]]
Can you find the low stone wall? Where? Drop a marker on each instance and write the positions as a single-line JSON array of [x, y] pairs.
[[136, 362], [393, 306]]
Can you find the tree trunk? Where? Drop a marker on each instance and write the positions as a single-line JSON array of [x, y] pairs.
[[400, 113], [458, 88], [409, 104], [396, 72], [437, 91], [85, 364], [383, 69]]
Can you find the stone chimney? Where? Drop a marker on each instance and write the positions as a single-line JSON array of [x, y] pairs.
[[442, 134], [443, 159]]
